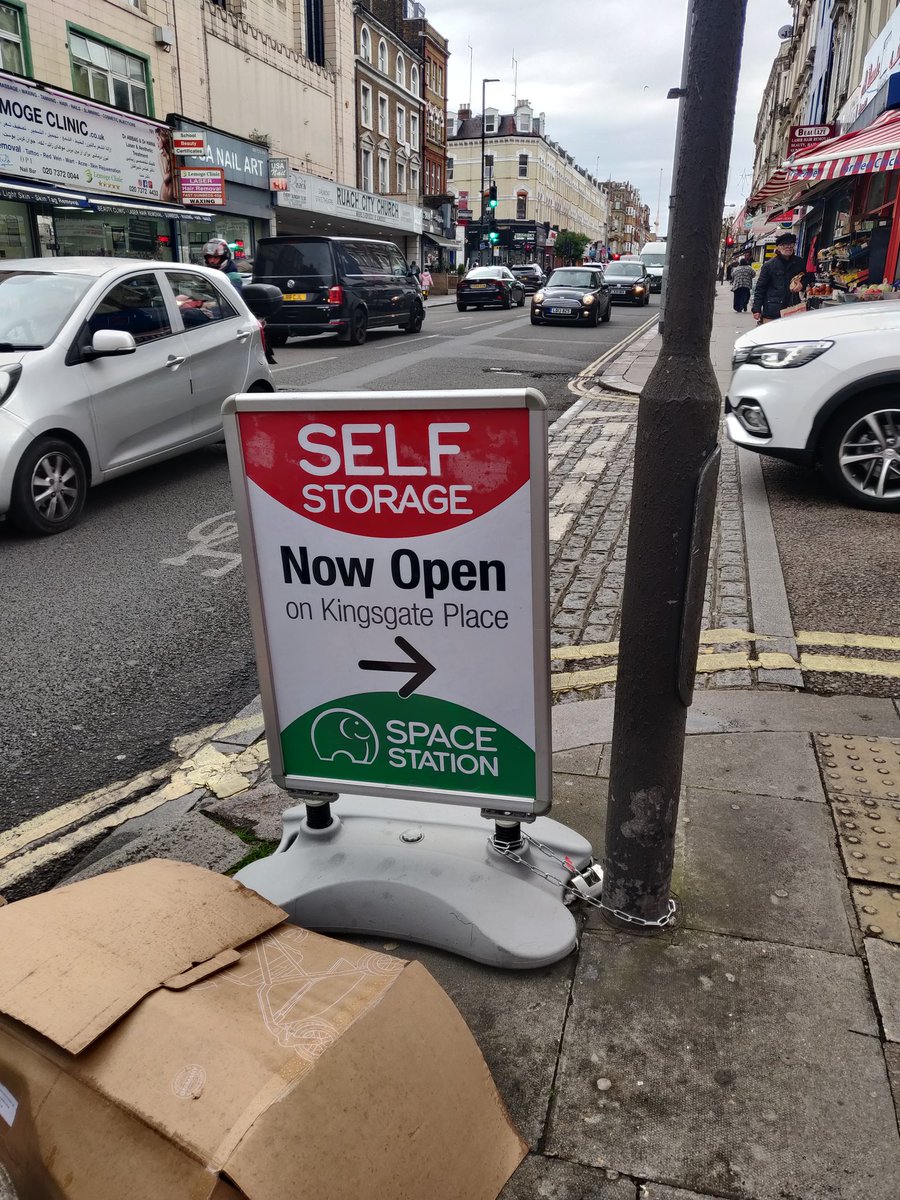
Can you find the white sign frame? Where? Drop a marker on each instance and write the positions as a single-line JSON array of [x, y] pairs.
[[523, 398]]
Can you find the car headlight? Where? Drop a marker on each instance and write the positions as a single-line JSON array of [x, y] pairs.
[[9, 377], [587, 299], [777, 355], [638, 287], [740, 355], [538, 297]]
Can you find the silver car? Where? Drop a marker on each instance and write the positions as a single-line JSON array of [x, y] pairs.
[[108, 365]]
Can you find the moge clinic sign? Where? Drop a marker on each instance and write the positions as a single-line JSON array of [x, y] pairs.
[[395, 547]]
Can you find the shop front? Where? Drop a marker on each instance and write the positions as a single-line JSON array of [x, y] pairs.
[[517, 242], [79, 178], [311, 205], [246, 213]]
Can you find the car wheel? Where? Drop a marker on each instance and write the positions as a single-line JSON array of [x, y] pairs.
[[357, 329], [861, 453], [276, 338], [462, 308], [49, 488], [536, 321], [414, 325], [506, 302], [520, 303], [608, 312], [595, 316]]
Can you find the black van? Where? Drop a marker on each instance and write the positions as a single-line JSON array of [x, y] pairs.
[[337, 285]]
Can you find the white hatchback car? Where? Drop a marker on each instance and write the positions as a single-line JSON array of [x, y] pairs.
[[824, 388], [108, 365]]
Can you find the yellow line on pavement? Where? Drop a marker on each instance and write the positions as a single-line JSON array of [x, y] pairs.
[[837, 664], [865, 641], [577, 384]]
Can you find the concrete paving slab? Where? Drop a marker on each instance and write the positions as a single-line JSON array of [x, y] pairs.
[[762, 867], [191, 839], [257, 811], [740, 711], [774, 764], [659, 1191], [727, 1067], [516, 1017], [245, 727], [579, 801], [884, 968], [892, 1060], [541, 1178], [583, 760]]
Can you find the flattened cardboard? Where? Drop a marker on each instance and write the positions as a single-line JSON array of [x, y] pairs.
[[308, 1067], [86, 955]]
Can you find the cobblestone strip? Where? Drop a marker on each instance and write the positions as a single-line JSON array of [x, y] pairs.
[[591, 458]]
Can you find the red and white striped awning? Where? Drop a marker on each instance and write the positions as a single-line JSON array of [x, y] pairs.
[[869, 151], [779, 184]]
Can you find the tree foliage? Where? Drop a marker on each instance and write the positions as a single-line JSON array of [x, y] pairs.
[[570, 246]]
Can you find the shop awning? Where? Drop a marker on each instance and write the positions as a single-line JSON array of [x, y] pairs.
[[12, 189], [450, 243], [778, 185], [869, 151]]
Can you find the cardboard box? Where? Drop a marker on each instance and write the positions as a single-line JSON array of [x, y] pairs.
[[164, 1033]]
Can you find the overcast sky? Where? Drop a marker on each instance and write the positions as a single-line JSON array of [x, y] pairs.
[[600, 70]]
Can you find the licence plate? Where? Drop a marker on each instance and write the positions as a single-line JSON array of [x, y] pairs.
[[566, 312], [479, 285], [296, 295], [619, 291]]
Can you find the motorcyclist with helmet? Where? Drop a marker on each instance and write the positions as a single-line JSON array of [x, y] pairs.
[[217, 256]]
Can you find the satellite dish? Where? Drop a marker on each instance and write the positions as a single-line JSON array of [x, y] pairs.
[[785, 32]]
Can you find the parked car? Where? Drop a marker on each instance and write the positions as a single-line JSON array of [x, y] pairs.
[[338, 285], [489, 285], [578, 294], [629, 282], [108, 365], [821, 388], [529, 275]]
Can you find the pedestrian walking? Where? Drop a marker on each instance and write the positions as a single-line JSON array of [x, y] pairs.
[[415, 269], [217, 256], [781, 280], [426, 283], [742, 277]]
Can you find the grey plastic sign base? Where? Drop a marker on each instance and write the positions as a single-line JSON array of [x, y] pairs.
[[415, 871]]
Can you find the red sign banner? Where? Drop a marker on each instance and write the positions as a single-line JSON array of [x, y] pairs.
[[802, 137]]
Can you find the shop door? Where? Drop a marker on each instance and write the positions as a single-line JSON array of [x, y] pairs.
[[218, 340], [141, 403]]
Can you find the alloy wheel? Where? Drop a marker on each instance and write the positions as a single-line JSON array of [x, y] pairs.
[[54, 486], [869, 454]]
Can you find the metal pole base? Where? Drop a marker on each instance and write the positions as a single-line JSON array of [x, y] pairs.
[[423, 873]]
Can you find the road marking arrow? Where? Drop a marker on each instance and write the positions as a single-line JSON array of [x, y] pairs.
[[419, 665]]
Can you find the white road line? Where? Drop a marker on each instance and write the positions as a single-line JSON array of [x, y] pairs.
[[306, 362]]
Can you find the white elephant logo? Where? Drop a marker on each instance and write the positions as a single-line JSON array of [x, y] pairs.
[[343, 733]]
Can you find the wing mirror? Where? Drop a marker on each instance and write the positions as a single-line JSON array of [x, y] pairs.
[[109, 343]]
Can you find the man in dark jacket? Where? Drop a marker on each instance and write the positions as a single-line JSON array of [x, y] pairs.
[[773, 287]]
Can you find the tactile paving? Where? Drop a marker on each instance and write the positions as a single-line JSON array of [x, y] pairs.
[[869, 837], [878, 911], [860, 766]]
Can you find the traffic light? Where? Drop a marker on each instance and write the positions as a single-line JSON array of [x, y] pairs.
[[729, 241], [492, 196], [493, 237]]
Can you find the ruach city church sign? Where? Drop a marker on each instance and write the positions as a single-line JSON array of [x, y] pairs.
[[310, 193]]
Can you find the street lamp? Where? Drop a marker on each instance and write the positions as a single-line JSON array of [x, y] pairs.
[[484, 84]]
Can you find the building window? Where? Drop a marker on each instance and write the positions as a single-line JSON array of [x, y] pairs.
[[414, 180], [400, 71], [440, 81], [414, 79], [109, 75], [490, 122], [414, 130], [384, 175], [521, 205], [523, 166], [449, 168], [401, 123], [524, 125], [382, 56], [365, 105], [383, 116], [401, 178], [488, 165], [315, 32], [365, 44], [366, 180], [13, 54], [438, 182]]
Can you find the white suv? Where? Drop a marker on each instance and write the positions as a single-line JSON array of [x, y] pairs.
[[824, 388]]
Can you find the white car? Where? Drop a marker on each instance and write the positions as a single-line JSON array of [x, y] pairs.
[[108, 365], [823, 388]]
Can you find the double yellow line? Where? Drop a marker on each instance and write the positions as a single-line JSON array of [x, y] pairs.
[[710, 661]]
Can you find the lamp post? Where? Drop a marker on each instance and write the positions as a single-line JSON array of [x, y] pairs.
[[481, 231]]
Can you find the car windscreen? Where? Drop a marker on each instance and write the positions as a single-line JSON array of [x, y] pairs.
[[35, 305], [485, 273], [624, 271], [576, 279], [653, 260], [309, 261]]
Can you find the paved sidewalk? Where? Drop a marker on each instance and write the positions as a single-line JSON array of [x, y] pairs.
[[750, 1053]]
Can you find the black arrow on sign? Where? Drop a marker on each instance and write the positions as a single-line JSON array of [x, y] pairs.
[[419, 665]]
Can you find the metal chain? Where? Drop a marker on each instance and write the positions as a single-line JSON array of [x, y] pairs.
[[573, 893]]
